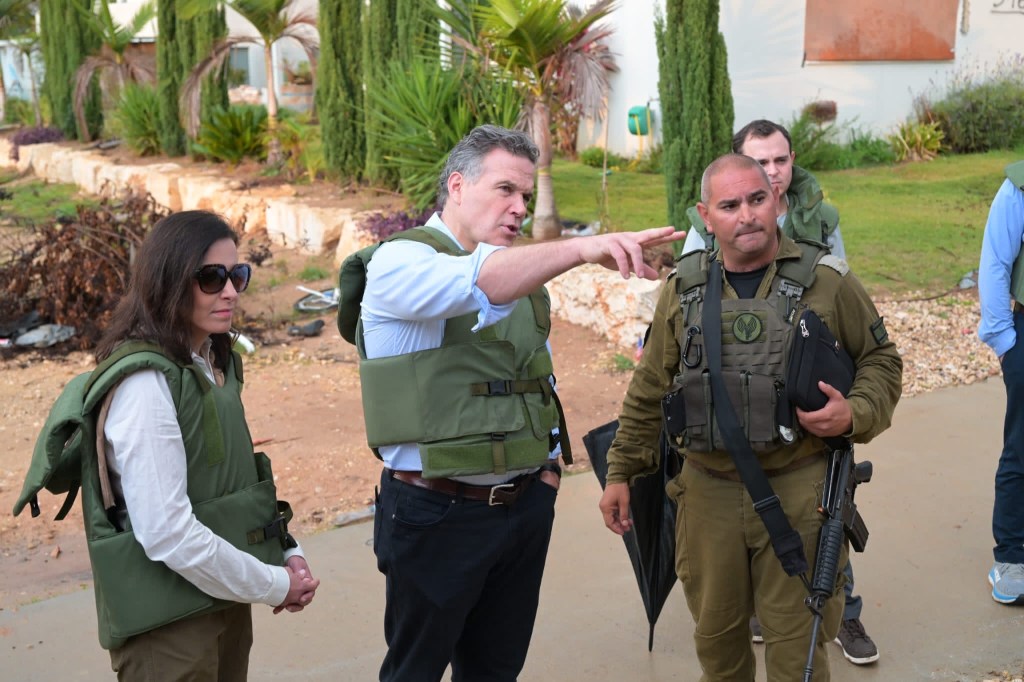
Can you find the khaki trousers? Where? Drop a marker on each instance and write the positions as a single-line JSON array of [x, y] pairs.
[[210, 648], [725, 561]]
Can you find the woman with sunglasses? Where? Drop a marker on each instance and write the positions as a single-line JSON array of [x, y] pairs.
[[175, 443]]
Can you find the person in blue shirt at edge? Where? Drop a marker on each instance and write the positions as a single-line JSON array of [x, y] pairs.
[[802, 212], [467, 494], [1001, 292]]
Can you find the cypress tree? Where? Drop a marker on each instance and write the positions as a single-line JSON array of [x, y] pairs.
[[169, 77], [380, 41], [66, 41], [339, 86], [417, 30], [181, 43], [207, 30], [696, 99]]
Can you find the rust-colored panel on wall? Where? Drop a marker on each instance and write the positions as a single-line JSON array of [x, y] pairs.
[[880, 30]]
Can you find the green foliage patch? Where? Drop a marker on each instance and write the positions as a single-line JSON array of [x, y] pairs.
[[137, 119], [233, 134], [423, 109]]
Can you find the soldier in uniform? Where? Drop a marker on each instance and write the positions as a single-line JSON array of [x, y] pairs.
[[1000, 285], [802, 213], [724, 554]]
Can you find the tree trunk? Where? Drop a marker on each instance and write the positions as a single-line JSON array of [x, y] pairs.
[[35, 91], [3, 97], [545, 214], [273, 144]]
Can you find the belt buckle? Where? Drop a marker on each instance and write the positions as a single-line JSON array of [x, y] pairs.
[[490, 498]]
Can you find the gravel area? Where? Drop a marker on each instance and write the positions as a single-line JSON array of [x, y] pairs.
[[938, 339]]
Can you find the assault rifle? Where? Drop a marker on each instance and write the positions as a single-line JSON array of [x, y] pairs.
[[842, 477]]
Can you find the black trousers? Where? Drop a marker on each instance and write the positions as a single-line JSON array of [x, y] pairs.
[[463, 581]]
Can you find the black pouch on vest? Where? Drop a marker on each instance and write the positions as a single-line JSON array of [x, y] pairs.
[[816, 356], [673, 411]]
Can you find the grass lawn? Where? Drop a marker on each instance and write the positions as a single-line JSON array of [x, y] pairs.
[[35, 201], [912, 227]]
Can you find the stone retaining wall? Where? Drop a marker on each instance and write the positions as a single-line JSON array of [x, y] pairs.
[[589, 296]]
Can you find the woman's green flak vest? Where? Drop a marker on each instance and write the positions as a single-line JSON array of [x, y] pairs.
[[231, 489], [757, 337], [809, 216], [1015, 174], [482, 402]]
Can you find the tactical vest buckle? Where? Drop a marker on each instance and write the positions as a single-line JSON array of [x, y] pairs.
[[498, 387], [791, 290]]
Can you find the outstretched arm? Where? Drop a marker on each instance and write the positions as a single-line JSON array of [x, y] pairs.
[[510, 274]]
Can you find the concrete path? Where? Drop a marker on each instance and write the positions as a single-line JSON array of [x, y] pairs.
[[927, 601]]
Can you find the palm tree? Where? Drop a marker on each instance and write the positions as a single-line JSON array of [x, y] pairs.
[[556, 54], [16, 17], [273, 20], [113, 56]]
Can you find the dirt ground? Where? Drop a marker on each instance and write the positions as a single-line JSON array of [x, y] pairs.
[[303, 404]]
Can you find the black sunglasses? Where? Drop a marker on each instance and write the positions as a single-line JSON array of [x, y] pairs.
[[213, 278]]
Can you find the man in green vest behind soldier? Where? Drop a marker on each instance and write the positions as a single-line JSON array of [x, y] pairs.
[[802, 213], [724, 552], [1000, 286], [459, 402]]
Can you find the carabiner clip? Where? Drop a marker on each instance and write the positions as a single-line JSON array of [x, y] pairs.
[[690, 333]]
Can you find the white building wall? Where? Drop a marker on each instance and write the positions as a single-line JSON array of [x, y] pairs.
[[765, 42]]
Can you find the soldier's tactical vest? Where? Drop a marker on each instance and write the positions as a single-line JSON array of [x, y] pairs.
[[1015, 173], [231, 489], [756, 339], [809, 217], [481, 402]]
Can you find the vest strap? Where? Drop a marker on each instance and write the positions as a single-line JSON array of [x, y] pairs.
[[786, 542], [498, 453], [510, 386]]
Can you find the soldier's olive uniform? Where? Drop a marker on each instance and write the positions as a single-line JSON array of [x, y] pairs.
[[724, 556]]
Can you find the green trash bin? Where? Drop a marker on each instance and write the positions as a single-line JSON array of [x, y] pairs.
[[639, 120]]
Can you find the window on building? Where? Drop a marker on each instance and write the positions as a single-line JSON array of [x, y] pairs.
[[880, 30], [238, 66]]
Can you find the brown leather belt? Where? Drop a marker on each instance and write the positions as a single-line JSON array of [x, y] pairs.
[[502, 493], [734, 475], [1017, 307]]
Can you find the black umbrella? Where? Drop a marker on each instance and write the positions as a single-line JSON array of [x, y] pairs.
[[651, 544]]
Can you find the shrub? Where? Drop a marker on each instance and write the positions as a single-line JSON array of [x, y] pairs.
[[980, 112], [382, 225], [34, 135], [302, 148], [594, 157], [915, 141], [816, 144], [19, 112], [650, 162], [73, 271], [137, 119], [234, 133], [864, 149], [423, 109]]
